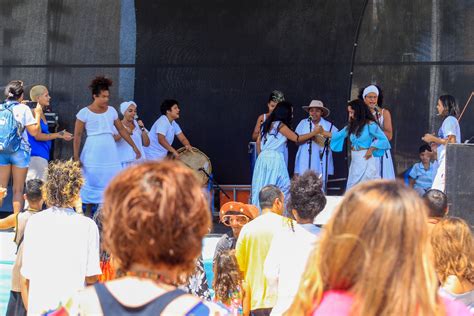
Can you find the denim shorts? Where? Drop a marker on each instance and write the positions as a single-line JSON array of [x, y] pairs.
[[19, 159]]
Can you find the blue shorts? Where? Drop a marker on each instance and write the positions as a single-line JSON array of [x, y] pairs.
[[19, 159]]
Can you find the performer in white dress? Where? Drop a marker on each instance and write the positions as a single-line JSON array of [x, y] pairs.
[[449, 132], [164, 130], [137, 132], [99, 157], [317, 113], [373, 98]]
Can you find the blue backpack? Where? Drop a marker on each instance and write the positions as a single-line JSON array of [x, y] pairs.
[[10, 129]]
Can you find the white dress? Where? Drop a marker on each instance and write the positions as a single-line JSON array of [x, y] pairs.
[[385, 165], [125, 151], [302, 156], [449, 127], [99, 157]]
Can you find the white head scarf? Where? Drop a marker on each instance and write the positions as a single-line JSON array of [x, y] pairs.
[[125, 105], [370, 89]]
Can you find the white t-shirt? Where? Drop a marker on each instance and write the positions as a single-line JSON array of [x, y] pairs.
[[24, 116], [164, 127], [61, 248], [449, 127], [98, 123]]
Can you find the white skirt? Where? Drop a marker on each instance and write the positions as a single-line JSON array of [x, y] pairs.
[[100, 163], [362, 169]]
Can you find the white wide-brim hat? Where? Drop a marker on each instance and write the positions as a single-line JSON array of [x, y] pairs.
[[318, 105]]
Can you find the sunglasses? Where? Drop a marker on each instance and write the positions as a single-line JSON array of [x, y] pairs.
[[240, 220]]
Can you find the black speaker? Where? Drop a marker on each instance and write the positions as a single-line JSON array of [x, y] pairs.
[[460, 181]]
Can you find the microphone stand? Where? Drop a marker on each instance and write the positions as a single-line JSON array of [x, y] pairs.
[[214, 182], [310, 143], [326, 161]]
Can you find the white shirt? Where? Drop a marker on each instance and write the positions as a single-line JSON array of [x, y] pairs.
[[286, 263], [98, 123], [24, 116], [61, 248], [164, 127], [449, 127], [125, 151], [302, 156]]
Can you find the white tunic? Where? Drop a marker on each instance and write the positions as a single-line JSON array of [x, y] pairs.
[[302, 156], [164, 127]]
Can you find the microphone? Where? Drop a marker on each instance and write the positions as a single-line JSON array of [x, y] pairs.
[[310, 118]]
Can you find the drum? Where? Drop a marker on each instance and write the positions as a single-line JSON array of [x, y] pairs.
[[198, 161]]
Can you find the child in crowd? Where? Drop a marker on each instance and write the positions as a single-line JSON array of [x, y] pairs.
[[422, 173], [17, 301], [229, 287]]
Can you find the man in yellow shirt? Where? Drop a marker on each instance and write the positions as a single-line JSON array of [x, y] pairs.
[[253, 244]]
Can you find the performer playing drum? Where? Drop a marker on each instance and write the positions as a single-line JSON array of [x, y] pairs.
[[163, 131], [317, 113]]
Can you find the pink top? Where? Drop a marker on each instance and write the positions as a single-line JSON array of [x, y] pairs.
[[340, 303]]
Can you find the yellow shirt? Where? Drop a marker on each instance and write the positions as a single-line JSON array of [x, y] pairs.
[[251, 251]]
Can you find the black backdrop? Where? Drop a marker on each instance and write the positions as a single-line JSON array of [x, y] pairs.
[[221, 59]]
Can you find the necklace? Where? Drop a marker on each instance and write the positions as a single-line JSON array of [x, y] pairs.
[[146, 274]]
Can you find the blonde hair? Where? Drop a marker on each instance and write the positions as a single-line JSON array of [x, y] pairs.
[[36, 92], [376, 247], [64, 183], [453, 249]]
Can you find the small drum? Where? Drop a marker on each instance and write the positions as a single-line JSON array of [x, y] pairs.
[[198, 161]]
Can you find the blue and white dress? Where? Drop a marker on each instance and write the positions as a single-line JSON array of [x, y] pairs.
[[362, 169], [270, 167]]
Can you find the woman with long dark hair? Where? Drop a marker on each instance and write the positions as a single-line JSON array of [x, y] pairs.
[[372, 96], [270, 167], [367, 141], [449, 132]]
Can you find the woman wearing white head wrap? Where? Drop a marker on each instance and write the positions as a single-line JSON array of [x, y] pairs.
[[137, 131], [373, 98]]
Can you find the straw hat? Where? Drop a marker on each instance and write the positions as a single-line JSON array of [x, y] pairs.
[[319, 105]]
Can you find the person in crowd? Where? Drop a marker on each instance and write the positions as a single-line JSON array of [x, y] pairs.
[[423, 172], [137, 132], [367, 141], [437, 204], [18, 221], [449, 132], [196, 283], [14, 146], [155, 216], [252, 248], [229, 287], [41, 143], [374, 258], [61, 247], [270, 167], [372, 96], [320, 150], [99, 157], [235, 215], [164, 130], [289, 250], [453, 249]]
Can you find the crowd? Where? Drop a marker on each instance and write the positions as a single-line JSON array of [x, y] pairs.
[[386, 250]]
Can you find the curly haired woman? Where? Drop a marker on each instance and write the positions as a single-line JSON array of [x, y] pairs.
[[453, 249]]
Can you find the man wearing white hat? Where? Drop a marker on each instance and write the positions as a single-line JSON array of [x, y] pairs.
[[317, 112]]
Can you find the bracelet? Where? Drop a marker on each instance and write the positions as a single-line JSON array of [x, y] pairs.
[[297, 137]]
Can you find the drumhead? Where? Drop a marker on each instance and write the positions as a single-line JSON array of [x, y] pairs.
[[196, 160]]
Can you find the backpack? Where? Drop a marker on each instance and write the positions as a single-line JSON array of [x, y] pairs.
[[10, 129]]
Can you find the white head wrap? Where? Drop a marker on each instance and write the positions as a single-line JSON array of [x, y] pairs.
[[124, 106], [370, 89]]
